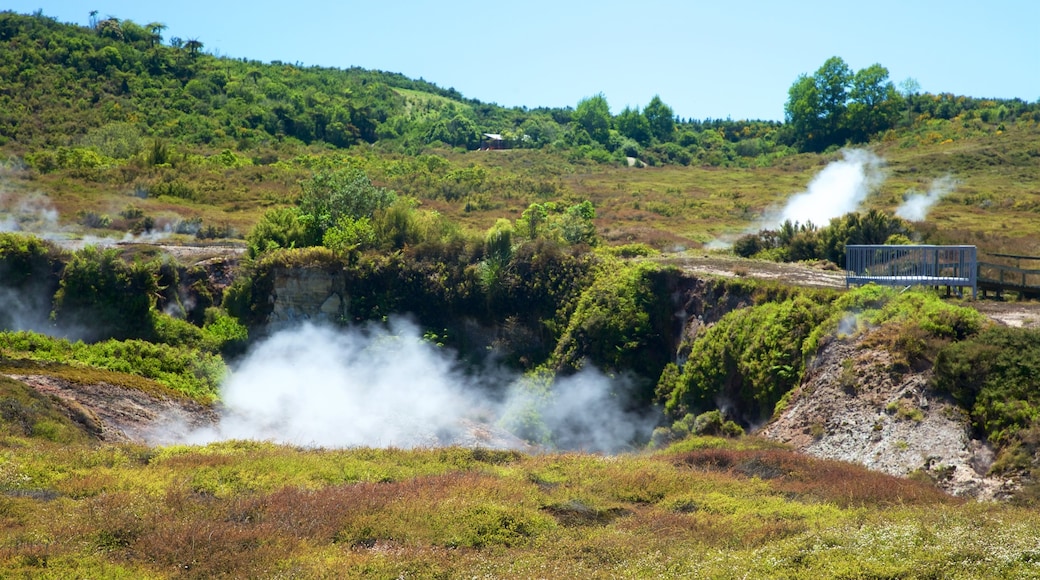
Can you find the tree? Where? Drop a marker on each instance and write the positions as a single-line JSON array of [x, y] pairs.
[[278, 228], [661, 119], [802, 113], [193, 46], [634, 125], [110, 28], [593, 115], [834, 105], [874, 105], [330, 195], [909, 88], [156, 29], [103, 296], [832, 81]]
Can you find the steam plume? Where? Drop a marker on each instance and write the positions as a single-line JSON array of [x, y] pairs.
[[31, 213], [375, 387], [915, 207], [837, 190]]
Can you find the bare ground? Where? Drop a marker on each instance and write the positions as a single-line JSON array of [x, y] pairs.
[[852, 406]]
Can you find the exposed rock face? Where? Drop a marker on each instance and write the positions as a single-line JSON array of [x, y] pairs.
[[306, 294], [120, 414], [852, 406]]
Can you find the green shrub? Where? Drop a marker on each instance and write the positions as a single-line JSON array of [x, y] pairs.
[[102, 296], [996, 376], [750, 358], [622, 321], [187, 370]]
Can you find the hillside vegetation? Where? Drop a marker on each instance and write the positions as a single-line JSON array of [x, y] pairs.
[[702, 509], [538, 261], [125, 130]]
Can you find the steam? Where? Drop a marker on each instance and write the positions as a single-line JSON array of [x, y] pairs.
[[30, 213], [838, 189], [915, 207], [373, 386]]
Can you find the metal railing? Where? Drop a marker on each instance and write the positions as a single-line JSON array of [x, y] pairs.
[[954, 266]]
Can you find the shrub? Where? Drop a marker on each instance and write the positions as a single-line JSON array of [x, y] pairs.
[[101, 295], [996, 376], [750, 358]]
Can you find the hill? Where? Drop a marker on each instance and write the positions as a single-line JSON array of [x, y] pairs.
[[113, 120]]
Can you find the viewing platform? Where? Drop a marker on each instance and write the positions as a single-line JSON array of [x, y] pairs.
[[897, 265]]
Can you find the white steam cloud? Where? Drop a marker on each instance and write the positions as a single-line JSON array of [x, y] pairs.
[[915, 207], [838, 189], [30, 213], [373, 386]]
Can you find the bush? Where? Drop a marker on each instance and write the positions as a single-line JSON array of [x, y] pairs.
[[996, 376], [102, 296], [750, 359]]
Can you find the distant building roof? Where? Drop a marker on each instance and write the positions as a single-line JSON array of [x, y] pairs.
[[493, 136]]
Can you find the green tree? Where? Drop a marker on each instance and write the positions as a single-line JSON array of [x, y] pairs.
[[803, 113], [874, 105], [193, 46], [278, 228], [156, 28], [661, 119], [330, 195], [101, 296], [576, 224], [634, 125], [908, 89], [593, 115], [816, 106], [832, 81]]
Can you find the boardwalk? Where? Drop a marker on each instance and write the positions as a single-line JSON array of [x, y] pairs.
[[1000, 278], [951, 266]]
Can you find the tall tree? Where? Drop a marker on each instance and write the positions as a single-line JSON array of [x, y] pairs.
[[193, 46], [832, 81], [874, 105], [908, 89], [634, 125], [661, 118], [803, 113], [156, 29], [593, 115]]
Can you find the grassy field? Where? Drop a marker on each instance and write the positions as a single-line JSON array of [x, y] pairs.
[[706, 508], [994, 203]]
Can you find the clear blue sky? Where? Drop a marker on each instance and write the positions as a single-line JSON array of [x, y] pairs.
[[717, 59]]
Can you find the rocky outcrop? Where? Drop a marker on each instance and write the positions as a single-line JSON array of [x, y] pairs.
[[856, 405], [306, 294]]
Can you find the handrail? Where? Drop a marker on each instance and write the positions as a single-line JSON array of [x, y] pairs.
[[1016, 256], [899, 265]]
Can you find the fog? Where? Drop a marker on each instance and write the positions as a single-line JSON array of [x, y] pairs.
[[383, 385], [31, 213]]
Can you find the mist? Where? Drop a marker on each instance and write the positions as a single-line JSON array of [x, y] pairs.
[[31, 213], [384, 386], [916, 205], [840, 188]]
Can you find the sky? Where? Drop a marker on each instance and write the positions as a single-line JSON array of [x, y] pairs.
[[706, 59]]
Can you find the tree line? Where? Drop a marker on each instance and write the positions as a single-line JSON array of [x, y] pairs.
[[72, 80]]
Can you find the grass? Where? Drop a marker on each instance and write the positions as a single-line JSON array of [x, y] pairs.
[[993, 204], [702, 508]]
